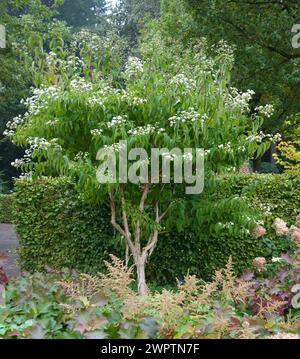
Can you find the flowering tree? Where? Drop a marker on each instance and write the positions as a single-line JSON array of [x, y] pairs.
[[171, 98]]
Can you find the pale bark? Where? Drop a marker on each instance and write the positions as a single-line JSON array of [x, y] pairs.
[[140, 255]]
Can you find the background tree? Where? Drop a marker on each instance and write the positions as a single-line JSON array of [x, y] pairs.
[[25, 22], [82, 13], [265, 59], [129, 16]]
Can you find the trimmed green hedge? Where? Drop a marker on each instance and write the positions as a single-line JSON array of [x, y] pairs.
[[6, 208], [58, 230], [202, 252]]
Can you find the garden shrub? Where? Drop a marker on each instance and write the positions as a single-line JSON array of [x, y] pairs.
[[58, 230], [203, 251], [6, 208]]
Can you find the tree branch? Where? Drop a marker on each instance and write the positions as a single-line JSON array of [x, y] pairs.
[[254, 38], [122, 231], [154, 237], [137, 232]]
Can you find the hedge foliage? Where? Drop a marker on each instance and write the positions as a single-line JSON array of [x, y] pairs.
[[202, 251], [57, 229], [6, 208]]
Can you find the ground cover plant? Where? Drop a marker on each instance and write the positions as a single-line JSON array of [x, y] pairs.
[[263, 303]]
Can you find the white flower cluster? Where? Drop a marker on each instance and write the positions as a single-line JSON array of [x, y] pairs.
[[187, 116], [239, 100], [17, 163], [96, 132], [101, 94], [35, 104], [226, 147], [39, 143], [260, 137], [182, 81], [133, 68], [52, 60], [226, 225], [12, 125], [40, 99], [81, 156], [88, 40], [144, 130], [74, 63], [95, 100], [230, 149], [116, 147], [117, 121], [80, 84], [35, 143], [225, 50], [266, 208], [105, 92], [52, 122], [25, 176], [266, 111], [131, 99], [171, 157]]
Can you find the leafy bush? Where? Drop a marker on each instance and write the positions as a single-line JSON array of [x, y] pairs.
[[33, 308], [6, 208], [209, 244], [289, 156], [57, 229]]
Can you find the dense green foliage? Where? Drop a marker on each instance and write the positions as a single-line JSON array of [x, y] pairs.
[[208, 247], [265, 61], [25, 22], [58, 230], [79, 13], [6, 208], [129, 17], [261, 32], [264, 58]]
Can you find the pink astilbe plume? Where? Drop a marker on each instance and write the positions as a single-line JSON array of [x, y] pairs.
[[258, 231], [295, 232], [281, 227], [259, 263]]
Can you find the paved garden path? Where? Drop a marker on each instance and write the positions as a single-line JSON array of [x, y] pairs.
[[9, 244]]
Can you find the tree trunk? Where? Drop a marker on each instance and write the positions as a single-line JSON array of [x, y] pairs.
[[273, 151], [139, 254], [140, 267], [257, 164]]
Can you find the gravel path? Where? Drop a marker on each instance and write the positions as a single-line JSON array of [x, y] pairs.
[[9, 244]]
